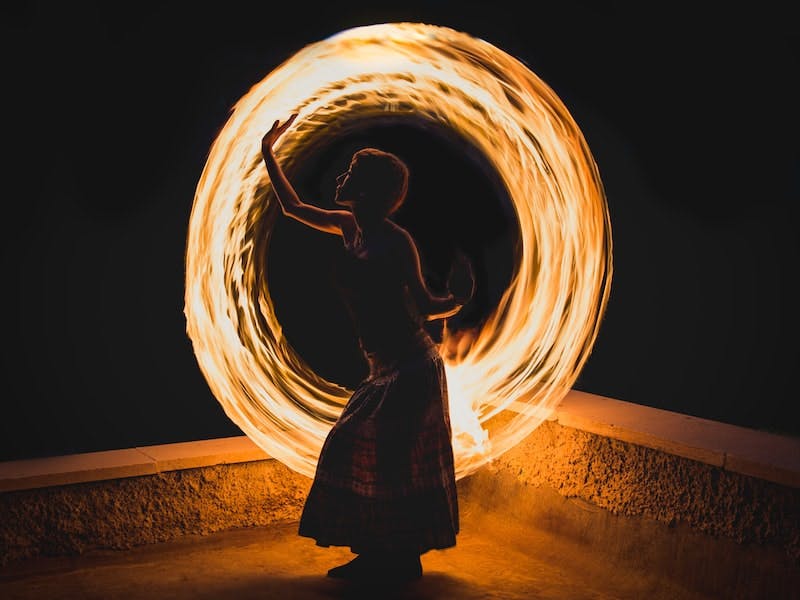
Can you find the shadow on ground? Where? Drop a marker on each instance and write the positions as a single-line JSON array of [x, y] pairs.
[[434, 586]]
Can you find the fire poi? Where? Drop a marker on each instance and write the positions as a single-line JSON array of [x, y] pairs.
[[524, 357]]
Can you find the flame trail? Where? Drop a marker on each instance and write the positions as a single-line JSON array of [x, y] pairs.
[[527, 354]]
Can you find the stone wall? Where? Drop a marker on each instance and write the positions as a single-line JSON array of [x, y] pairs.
[[125, 512], [686, 521]]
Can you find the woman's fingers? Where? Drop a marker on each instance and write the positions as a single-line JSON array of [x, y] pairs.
[[289, 122], [278, 129]]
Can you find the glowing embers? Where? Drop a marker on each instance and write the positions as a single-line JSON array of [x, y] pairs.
[[529, 351]]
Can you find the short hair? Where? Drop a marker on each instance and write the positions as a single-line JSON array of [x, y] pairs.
[[383, 177]]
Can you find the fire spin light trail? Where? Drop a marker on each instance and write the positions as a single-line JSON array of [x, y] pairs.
[[529, 351]]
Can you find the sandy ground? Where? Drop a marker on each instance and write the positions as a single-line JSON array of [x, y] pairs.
[[494, 558]]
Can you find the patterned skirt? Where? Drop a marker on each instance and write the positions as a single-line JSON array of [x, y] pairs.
[[385, 478]]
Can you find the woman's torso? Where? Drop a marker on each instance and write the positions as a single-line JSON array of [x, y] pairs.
[[373, 287]]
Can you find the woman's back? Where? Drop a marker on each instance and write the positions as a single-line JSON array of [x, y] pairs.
[[371, 281]]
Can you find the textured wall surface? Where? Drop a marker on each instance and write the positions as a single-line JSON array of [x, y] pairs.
[[710, 529], [631, 480], [121, 513]]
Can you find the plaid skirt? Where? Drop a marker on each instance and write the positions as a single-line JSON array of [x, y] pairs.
[[385, 479]]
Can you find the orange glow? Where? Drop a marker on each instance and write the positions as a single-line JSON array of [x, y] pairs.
[[524, 358]]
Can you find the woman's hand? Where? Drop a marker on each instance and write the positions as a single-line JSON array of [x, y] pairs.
[[461, 279], [277, 131]]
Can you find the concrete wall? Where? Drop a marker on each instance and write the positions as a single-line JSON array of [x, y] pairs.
[[125, 512], [713, 531], [713, 506]]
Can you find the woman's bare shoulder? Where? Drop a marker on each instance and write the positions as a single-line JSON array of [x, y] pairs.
[[404, 243], [400, 234]]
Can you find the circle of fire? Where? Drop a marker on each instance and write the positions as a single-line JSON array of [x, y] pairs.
[[525, 356]]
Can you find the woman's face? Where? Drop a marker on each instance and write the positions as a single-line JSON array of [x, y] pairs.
[[346, 191]]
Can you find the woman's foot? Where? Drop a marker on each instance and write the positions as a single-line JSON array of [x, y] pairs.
[[404, 568], [380, 567], [355, 569]]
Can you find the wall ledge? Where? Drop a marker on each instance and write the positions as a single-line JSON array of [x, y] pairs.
[[763, 455], [760, 454]]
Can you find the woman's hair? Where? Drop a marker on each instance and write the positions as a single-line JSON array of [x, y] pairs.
[[383, 178]]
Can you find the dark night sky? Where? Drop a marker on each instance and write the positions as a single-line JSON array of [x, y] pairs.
[[109, 113]]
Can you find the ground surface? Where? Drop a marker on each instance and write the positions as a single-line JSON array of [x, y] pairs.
[[494, 558]]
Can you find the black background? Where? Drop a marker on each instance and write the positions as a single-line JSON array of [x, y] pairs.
[[109, 111]]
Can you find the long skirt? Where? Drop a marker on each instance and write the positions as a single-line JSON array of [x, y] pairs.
[[385, 479]]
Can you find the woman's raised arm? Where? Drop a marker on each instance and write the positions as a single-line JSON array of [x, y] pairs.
[[329, 221]]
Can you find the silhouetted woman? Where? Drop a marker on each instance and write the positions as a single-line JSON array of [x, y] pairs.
[[385, 481]]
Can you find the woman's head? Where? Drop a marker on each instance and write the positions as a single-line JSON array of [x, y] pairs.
[[374, 185]]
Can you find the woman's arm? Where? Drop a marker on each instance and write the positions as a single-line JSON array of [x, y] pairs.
[[431, 305], [329, 221]]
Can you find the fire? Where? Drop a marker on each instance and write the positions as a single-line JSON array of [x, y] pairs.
[[509, 375]]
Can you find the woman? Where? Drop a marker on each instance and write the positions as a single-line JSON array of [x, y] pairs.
[[385, 480]]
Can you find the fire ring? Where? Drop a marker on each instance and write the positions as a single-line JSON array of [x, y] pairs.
[[527, 354]]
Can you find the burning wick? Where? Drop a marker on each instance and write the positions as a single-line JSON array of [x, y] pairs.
[[508, 376]]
